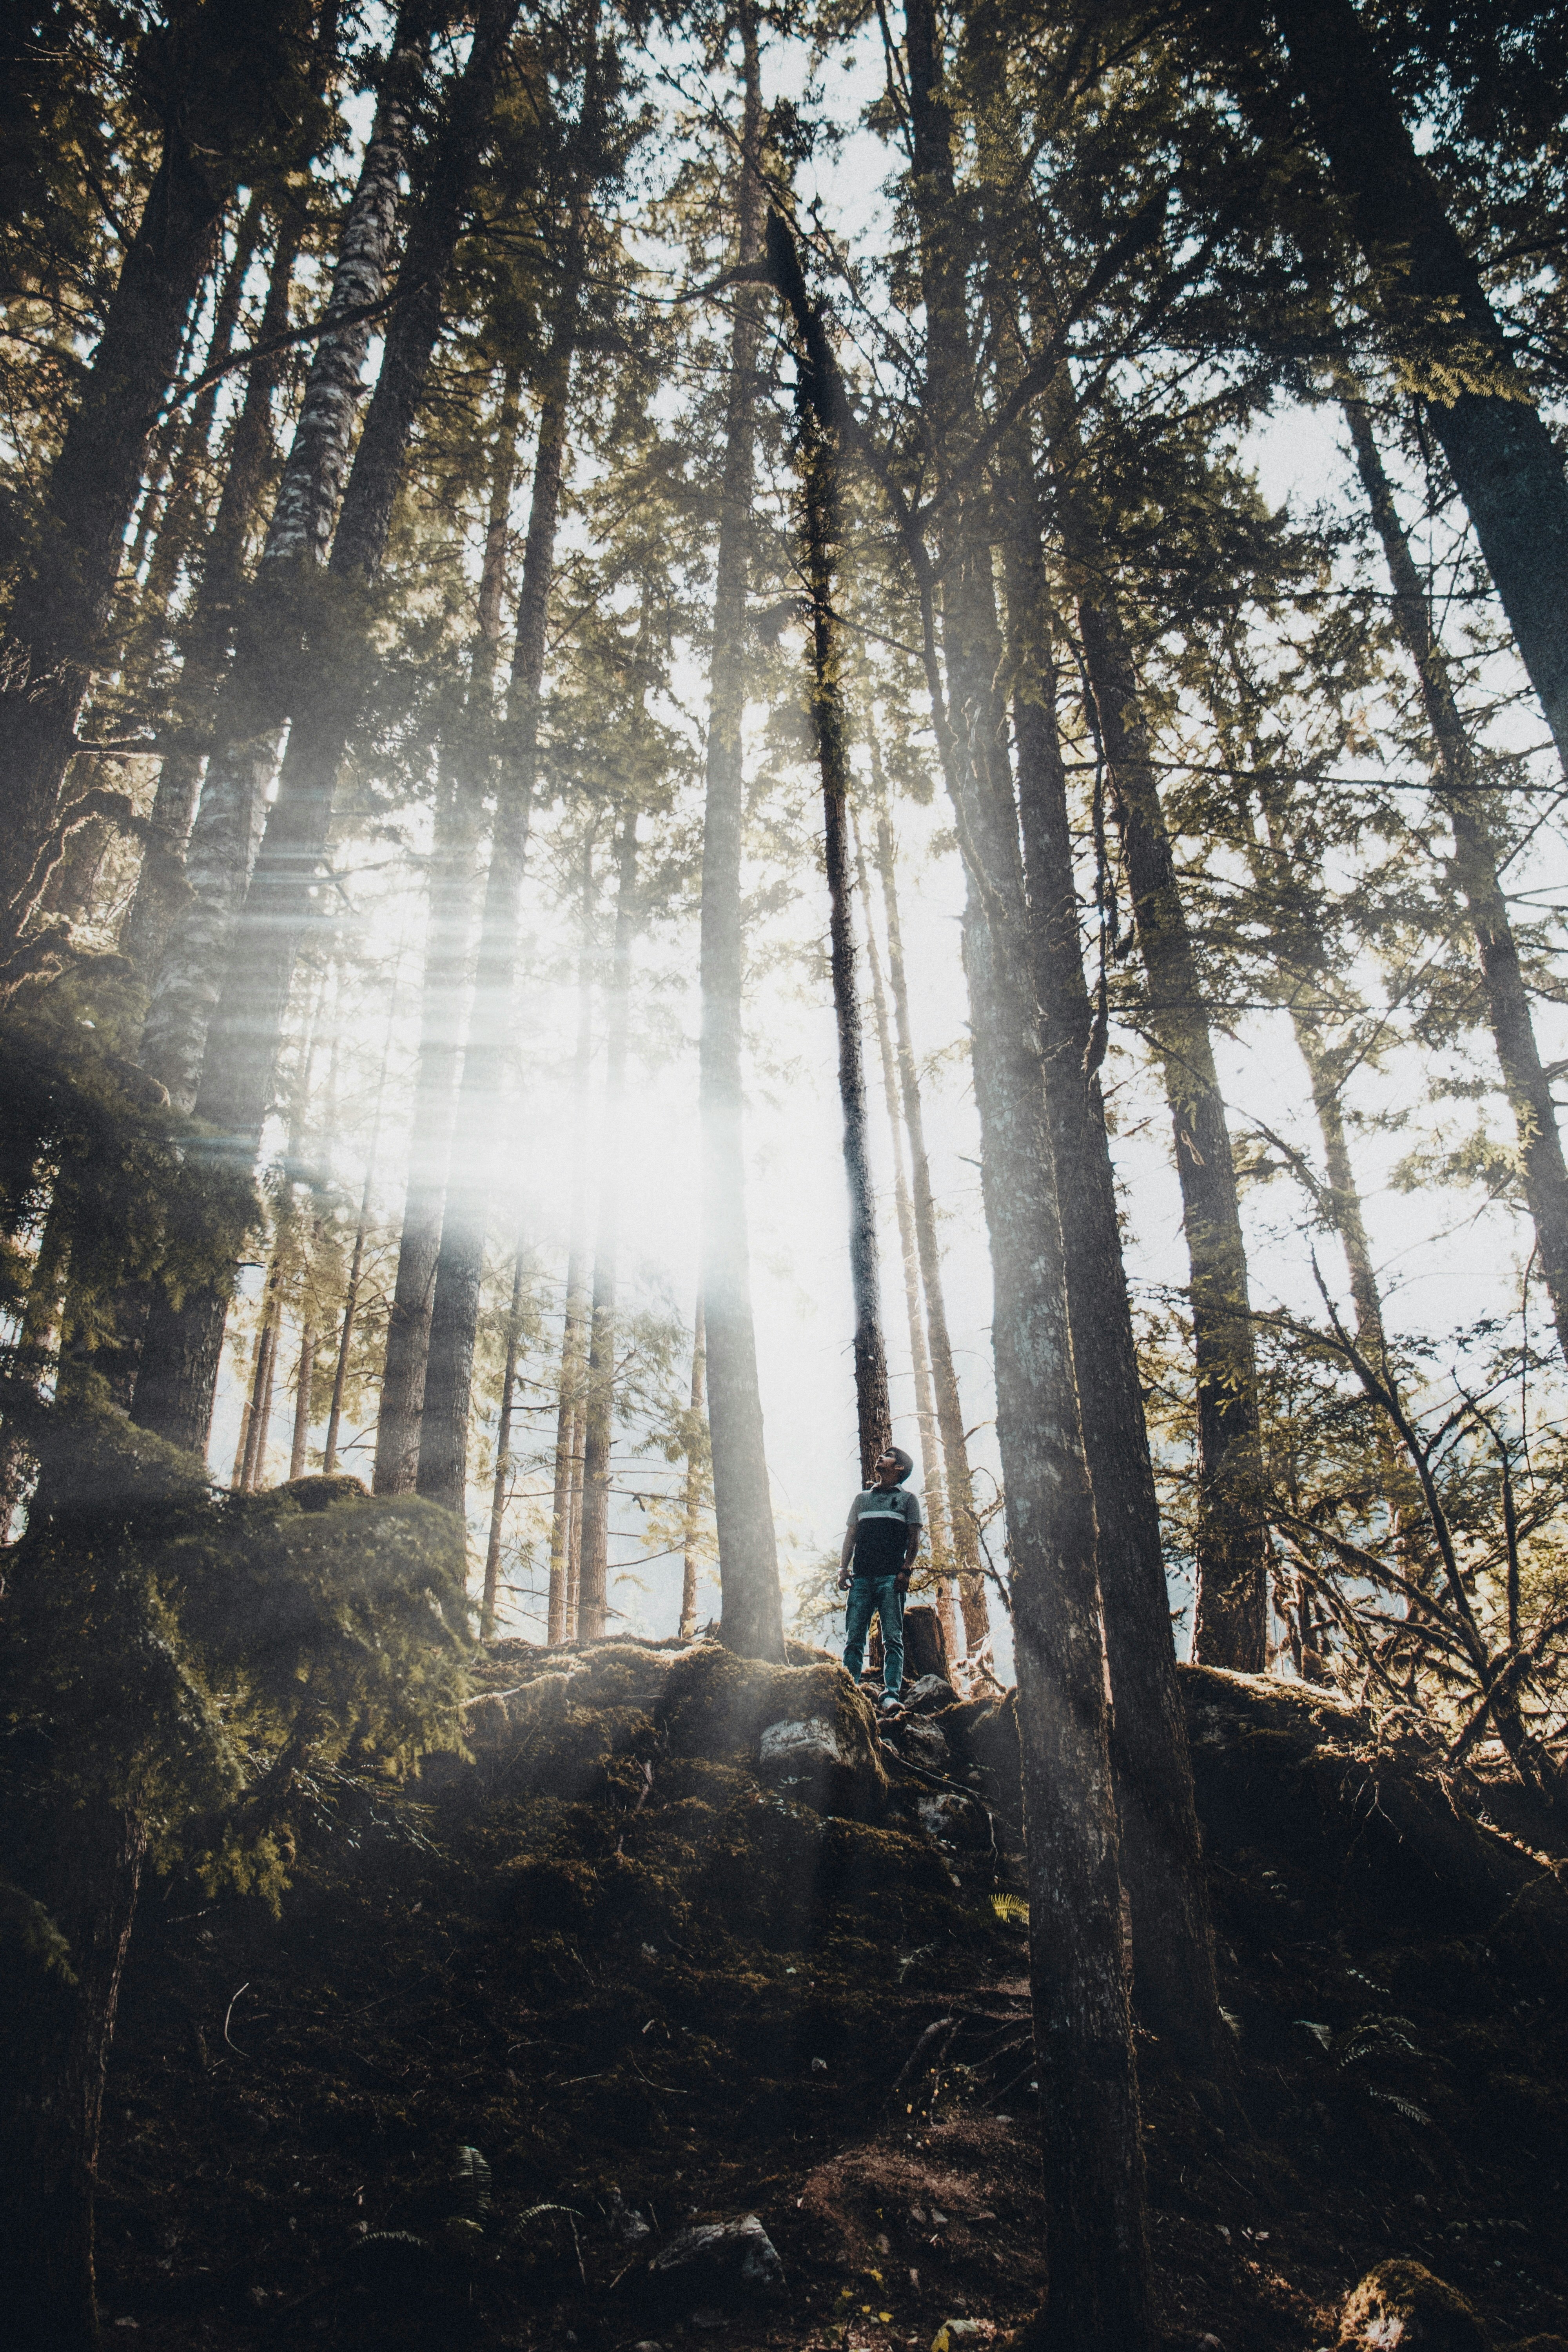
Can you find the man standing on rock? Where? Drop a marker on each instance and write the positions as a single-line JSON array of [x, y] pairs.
[[883, 1541]]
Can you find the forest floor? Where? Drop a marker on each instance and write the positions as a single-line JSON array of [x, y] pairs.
[[657, 1976]]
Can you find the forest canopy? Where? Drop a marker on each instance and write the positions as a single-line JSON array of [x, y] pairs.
[[733, 733]]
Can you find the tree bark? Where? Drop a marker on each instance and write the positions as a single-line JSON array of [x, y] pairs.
[[822, 527], [1474, 873], [233, 68], [972, 1601], [304, 1383], [503, 1448], [750, 1610], [692, 1515], [599, 1398], [1162, 1852], [908, 1251], [453, 870], [454, 1318], [1442, 335]]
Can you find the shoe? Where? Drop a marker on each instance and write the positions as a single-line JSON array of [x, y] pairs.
[[890, 1705]]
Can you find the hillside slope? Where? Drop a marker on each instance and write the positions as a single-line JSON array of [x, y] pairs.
[[652, 1962]]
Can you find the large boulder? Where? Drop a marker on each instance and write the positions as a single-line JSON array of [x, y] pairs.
[[1400, 2307], [807, 1726]]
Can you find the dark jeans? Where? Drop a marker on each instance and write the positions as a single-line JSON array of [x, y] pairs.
[[876, 1596]]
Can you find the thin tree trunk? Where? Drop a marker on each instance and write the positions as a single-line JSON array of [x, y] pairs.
[[972, 1600], [1161, 1851], [599, 1399], [304, 1383], [455, 1311], [204, 637], [1443, 330], [181, 506], [574, 1356], [575, 1556], [58, 2226], [750, 1610], [920, 1358], [459, 818], [1475, 873], [819, 471], [503, 1449], [691, 1515], [356, 1258], [254, 1467], [29, 1362], [239, 69]]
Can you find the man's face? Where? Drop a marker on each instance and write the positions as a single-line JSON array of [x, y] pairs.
[[887, 1469]]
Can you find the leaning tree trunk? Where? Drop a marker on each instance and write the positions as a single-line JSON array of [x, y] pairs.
[[1475, 872], [455, 1309], [453, 868], [599, 1399], [1162, 1853], [1441, 329], [691, 1513], [233, 67], [972, 1601], [820, 499], [909, 1250], [751, 1611]]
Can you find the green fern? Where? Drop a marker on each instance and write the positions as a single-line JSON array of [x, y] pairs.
[[470, 2178], [1011, 1908]]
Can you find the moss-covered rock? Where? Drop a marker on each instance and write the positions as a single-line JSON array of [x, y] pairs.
[[1401, 2305]]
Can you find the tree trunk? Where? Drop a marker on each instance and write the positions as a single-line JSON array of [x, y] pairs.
[[261, 685], [573, 1355], [751, 1611], [1099, 2291], [1442, 332], [1231, 1609], [356, 1258], [819, 471], [234, 69], [503, 1449], [59, 2231], [692, 1516], [455, 1310], [599, 1399], [459, 818], [1162, 1853], [304, 1382], [925, 1409], [1475, 873], [204, 637], [255, 1468], [972, 1600]]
